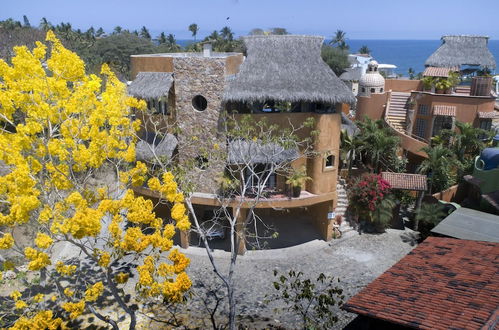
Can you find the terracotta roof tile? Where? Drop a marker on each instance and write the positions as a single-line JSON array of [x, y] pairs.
[[444, 110], [433, 71], [405, 181], [443, 283]]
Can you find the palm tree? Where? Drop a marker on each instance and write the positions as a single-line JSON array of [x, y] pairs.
[[226, 33], [411, 73], [144, 33], [339, 38], [437, 166], [468, 142], [45, 25], [350, 149], [214, 36], [194, 28], [117, 30], [26, 21], [162, 38], [430, 214], [364, 50], [99, 32]]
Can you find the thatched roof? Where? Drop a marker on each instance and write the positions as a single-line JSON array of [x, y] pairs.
[[352, 74], [151, 85], [251, 152], [162, 147], [462, 50], [286, 68]]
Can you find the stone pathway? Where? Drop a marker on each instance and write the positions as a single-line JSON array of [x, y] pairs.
[[355, 259]]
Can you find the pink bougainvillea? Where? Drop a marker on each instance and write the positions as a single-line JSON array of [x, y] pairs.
[[366, 193]]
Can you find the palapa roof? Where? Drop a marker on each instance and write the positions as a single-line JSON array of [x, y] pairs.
[[254, 152], [161, 147], [462, 50], [444, 283], [352, 74], [286, 68], [151, 85]]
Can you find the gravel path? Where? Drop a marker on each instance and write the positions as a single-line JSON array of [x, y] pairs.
[[355, 259]]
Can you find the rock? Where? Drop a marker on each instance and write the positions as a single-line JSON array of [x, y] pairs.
[[9, 275]]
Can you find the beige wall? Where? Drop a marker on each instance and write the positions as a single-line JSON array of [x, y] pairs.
[[403, 85], [150, 64], [467, 108], [372, 107], [232, 64], [328, 141]]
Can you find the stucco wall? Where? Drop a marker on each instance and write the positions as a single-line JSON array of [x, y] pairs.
[[150, 64], [372, 107], [402, 85]]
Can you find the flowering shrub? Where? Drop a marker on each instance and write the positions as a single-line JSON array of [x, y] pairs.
[[59, 127], [366, 196]]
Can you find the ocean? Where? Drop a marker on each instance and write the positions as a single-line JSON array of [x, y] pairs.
[[404, 54]]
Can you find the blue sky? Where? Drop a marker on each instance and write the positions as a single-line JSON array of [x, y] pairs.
[[361, 19]]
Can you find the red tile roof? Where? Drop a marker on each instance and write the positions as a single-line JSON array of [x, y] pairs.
[[443, 283], [488, 114], [432, 71], [405, 181], [444, 110]]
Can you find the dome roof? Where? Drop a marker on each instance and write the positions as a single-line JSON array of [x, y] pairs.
[[372, 79]]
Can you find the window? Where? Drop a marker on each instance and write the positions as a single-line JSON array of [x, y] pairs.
[[373, 90], [420, 129], [486, 124], [199, 103], [440, 123], [363, 89], [256, 175], [424, 110], [329, 162], [381, 90], [158, 106]]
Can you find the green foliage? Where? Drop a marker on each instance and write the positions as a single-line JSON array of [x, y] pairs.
[[428, 82], [440, 166], [364, 50], [336, 58], [194, 28], [117, 48], [379, 146], [315, 301], [427, 217], [298, 177]]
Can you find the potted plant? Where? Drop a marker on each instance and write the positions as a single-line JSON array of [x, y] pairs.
[[443, 85], [228, 185], [297, 179], [454, 79], [428, 83]]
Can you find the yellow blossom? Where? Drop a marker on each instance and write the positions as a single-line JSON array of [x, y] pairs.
[[38, 298], [94, 292], [121, 278], [74, 309], [68, 292], [6, 242], [43, 241], [15, 295], [20, 304]]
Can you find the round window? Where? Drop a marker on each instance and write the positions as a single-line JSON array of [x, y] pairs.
[[199, 102]]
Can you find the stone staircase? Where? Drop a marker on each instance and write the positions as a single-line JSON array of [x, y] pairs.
[[342, 205], [397, 110]]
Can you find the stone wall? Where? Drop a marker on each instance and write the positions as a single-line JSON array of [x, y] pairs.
[[200, 131]]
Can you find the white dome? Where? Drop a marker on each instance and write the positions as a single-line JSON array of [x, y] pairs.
[[372, 79], [373, 63]]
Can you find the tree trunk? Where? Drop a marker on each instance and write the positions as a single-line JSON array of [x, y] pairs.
[[418, 207]]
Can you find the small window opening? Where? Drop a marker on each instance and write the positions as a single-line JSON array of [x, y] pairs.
[[199, 103], [329, 161]]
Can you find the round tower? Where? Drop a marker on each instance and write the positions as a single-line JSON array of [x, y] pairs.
[[372, 82]]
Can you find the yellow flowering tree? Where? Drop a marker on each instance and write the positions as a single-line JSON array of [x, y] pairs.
[[60, 128]]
